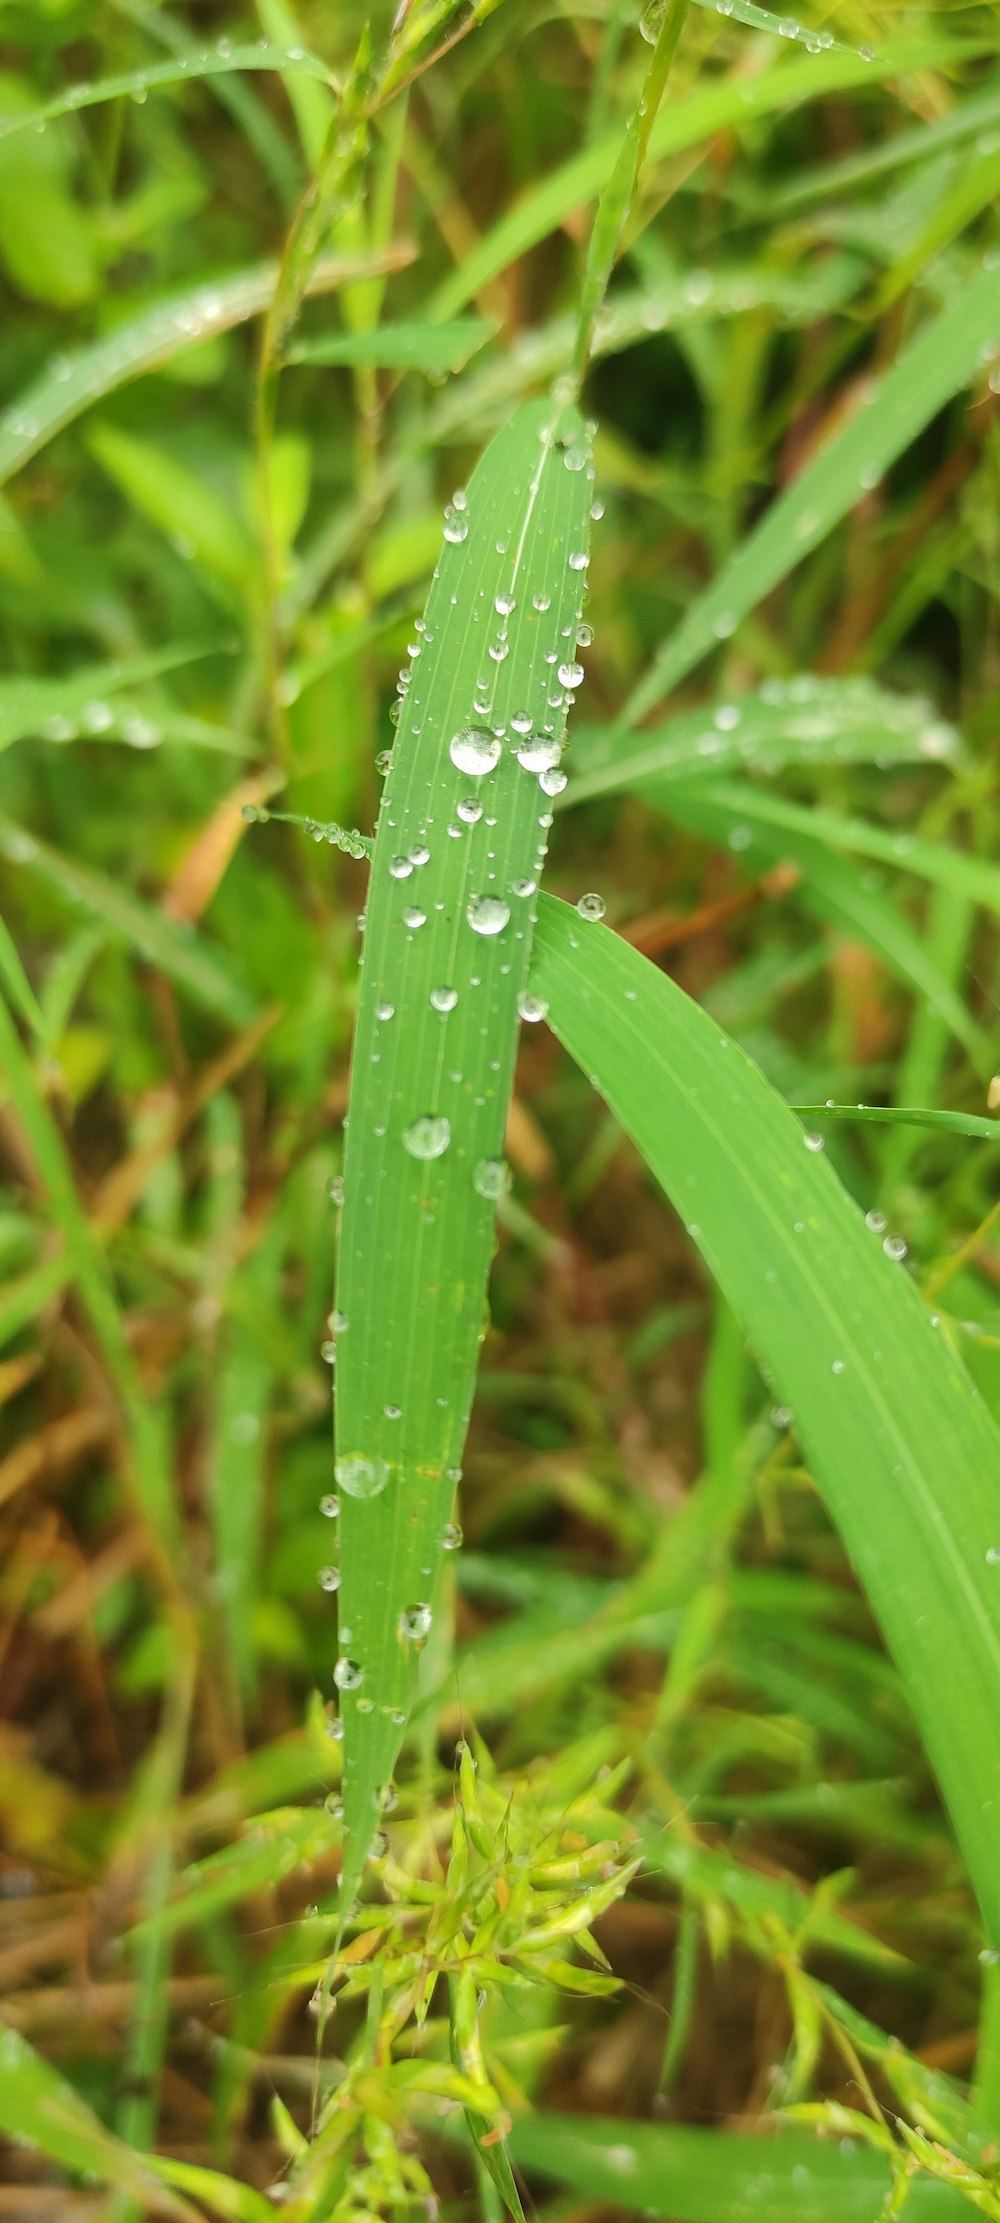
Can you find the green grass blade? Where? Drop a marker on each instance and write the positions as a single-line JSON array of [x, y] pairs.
[[705, 110], [788, 724], [979, 113], [837, 893], [74, 381], [64, 709], [15, 981], [184, 956], [936, 365], [418, 1230], [37, 2104], [435, 348], [907, 1115], [218, 62], [904, 1450], [785, 27], [710, 2176], [973, 877]]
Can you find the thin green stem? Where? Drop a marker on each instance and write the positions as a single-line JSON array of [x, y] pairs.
[[615, 204]]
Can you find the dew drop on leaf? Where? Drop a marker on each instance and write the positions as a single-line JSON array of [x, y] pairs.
[[474, 751], [491, 1178], [427, 1137], [361, 1477], [487, 914], [348, 1675], [591, 906]]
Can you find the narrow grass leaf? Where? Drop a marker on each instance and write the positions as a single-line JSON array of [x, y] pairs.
[[902, 1446], [937, 364], [434, 348], [15, 981], [37, 2105], [185, 957], [80, 704], [789, 724], [785, 27], [830, 179], [74, 381], [906, 1115], [219, 61], [461, 837], [836, 892], [712, 2176]]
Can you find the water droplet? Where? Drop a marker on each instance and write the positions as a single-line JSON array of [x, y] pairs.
[[456, 526], [487, 914], [361, 1477], [551, 782], [780, 1416], [392, 1412], [328, 1351], [400, 868], [894, 1247], [504, 604], [993, 1555], [474, 751], [575, 458], [541, 603], [591, 906], [468, 810], [348, 1675], [385, 1011], [451, 1536], [523, 887], [335, 1729], [724, 626], [413, 917], [329, 1507], [335, 1189], [876, 1221], [383, 763], [532, 1008], [727, 717], [813, 1141], [838, 1366], [539, 753], [335, 1806], [491, 1178], [420, 854], [584, 636], [444, 999], [329, 1578], [427, 1137], [415, 1623], [578, 559]]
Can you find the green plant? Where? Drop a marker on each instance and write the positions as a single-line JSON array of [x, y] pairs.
[[483, 1887]]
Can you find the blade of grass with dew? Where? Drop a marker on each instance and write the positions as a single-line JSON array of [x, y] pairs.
[[704, 111], [712, 2176], [185, 957], [217, 62], [835, 892], [74, 381], [942, 359], [78, 703], [902, 1446], [973, 877], [461, 837], [788, 724], [435, 348], [906, 1115]]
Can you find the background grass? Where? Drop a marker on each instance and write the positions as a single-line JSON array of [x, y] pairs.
[[209, 582]]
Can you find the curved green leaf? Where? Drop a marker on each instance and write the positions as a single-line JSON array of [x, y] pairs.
[[903, 1448]]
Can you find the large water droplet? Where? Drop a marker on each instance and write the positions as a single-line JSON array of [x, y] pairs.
[[348, 1675], [539, 753], [451, 1536], [329, 1506], [444, 999], [552, 782], [591, 906], [491, 1178], [413, 917], [427, 1137], [400, 868], [487, 914], [329, 1578], [415, 1623], [474, 751], [361, 1477], [468, 810], [570, 675], [532, 1008]]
